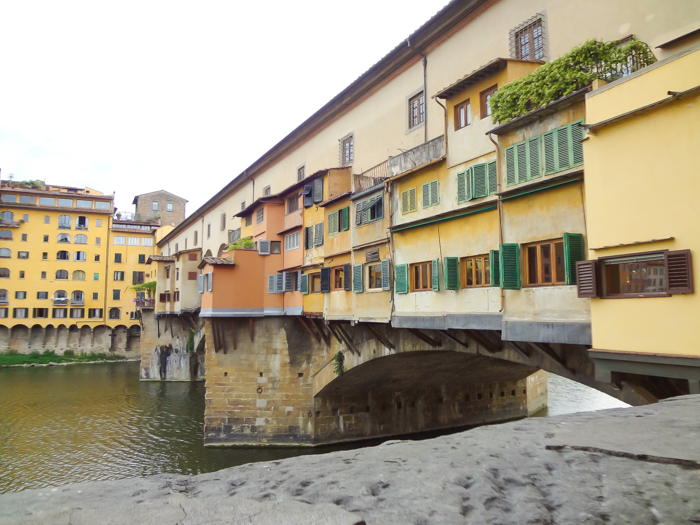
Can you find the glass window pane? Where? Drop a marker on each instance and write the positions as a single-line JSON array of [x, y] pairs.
[[424, 280], [487, 271], [470, 272], [559, 261], [83, 204], [478, 268], [546, 254], [532, 265]]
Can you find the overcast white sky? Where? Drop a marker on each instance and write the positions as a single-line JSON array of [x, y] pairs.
[[131, 97]]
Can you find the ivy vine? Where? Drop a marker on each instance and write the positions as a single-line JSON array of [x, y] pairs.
[[568, 73], [339, 364]]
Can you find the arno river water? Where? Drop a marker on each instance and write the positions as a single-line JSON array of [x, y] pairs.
[[71, 424]]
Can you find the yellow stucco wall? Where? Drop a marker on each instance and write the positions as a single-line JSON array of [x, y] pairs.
[[633, 197]]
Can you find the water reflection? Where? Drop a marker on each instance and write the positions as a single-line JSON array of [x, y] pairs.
[[82, 423]]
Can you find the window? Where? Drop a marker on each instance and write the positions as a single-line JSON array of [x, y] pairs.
[[192, 276], [78, 275], [118, 276], [339, 221], [77, 313], [478, 181], [77, 297], [266, 191], [59, 313], [63, 256], [24, 237], [169, 206], [223, 222], [315, 282], [347, 150], [408, 201], [95, 276], [369, 210], [544, 263], [431, 194], [23, 255], [116, 295], [80, 256], [167, 272], [5, 235], [7, 216], [20, 313], [301, 173], [46, 238], [308, 237], [80, 239], [26, 199], [292, 203], [119, 240], [4, 297], [196, 235], [147, 241], [117, 257], [463, 115], [61, 275], [81, 222], [242, 205], [102, 205], [5, 253], [291, 241], [486, 101], [275, 246], [3, 313], [529, 42], [475, 271], [154, 206], [133, 241], [374, 276], [4, 273], [95, 313], [209, 231], [40, 313], [630, 276], [20, 295], [63, 237], [259, 215], [114, 313], [42, 295], [21, 274], [98, 222], [249, 220], [177, 274], [338, 278], [47, 201], [421, 276], [9, 198], [416, 110], [95, 296], [97, 257], [142, 258], [43, 275], [318, 234], [83, 204], [25, 217], [98, 241]]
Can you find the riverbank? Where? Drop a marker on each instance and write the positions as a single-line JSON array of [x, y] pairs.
[[50, 358], [628, 465]]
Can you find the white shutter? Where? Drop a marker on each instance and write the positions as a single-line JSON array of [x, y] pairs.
[[263, 247], [280, 283], [287, 279], [272, 283], [200, 283], [210, 282]]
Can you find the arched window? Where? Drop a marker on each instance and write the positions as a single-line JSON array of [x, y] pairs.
[[63, 237], [3, 296], [81, 222], [80, 256], [61, 275], [114, 313], [78, 275], [77, 297], [7, 216], [4, 273], [60, 294], [5, 235], [65, 222], [5, 253], [80, 239], [63, 255]]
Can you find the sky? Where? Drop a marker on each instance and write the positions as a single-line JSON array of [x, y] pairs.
[[132, 97]]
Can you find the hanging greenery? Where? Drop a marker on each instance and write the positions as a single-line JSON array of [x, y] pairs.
[[242, 244], [339, 364], [190, 341], [568, 73], [149, 288]]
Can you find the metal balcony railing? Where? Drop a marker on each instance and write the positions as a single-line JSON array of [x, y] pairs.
[[371, 177]]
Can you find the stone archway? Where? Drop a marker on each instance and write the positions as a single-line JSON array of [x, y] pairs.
[[36, 338], [101, 339], [19, 338], [50, 337], [4, 338], [62, 337], [73, 337], [85, 339]]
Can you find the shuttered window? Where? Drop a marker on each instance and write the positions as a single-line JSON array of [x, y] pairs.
[[563, 148], [408, 201], [587, 278], [369, 210], [475, 271], [333, 223], [509, 266], [523, 161], [357, 285], [478, 181], [308, 237], [345, 219], [451, 273], [304, 284], [386, 270], [401, 278], [318, 234], [574, 252], [200, 283], [494, 263], [347, 268], [318, 190], [435, 271], [325, 280], [431, 194]]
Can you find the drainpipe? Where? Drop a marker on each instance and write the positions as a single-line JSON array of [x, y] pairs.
[[444, 108], [425, 89], [109, 240], [499, 203]]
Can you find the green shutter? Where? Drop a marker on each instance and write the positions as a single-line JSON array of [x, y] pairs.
[[479, 177], [451, 272], [404, 201], [426, 195], [509, 266], [493, 177], [563, 148], [577, 135], [462, 187], [493, 262], [550, 149], [436, 275], [521, 161], [401, 277], [412, 199], [510, 166], [305, 284], [573, 252], [345, 212], [386, 270], [331, 223], [357, 286], [533, 158], [434, 193]]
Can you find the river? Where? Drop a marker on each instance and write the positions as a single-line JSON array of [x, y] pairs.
[[71, 424]]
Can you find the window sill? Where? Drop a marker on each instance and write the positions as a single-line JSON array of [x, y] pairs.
[[637, 296], [375, 290]]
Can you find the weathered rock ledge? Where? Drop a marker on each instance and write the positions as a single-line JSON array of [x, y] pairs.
[[628, 465]]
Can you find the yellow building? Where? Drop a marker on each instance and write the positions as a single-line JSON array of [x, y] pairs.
[[641, 211]]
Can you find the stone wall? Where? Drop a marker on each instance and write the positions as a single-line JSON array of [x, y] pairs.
[[121, 340]]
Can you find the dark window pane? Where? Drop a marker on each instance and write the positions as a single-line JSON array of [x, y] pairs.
[[487, 271], [559, 262], [470, 272], [478, 268], [546, 254], [532, 265]]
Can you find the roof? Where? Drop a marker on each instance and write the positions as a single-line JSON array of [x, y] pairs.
[[408, 49], [552, 107], [160, 258], [216, 261], [487, 70], [334, 199], [136, 198]]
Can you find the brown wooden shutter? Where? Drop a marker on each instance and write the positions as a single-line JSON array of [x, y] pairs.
[[679, 271], [587, 278]]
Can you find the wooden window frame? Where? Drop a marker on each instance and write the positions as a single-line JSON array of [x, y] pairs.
[[630, 295], [259, 215], [530, 31], [267, 191], [426, 287], [413, 123], [486, 269], [488, 92], [301, 173], [293, 204], [526, 263], [409, 208], [315, 278], [349, 158], [334, 275], [275, 247], [466, 104], [371, 266]]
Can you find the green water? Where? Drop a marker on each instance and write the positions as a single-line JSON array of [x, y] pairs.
[[71, 424]]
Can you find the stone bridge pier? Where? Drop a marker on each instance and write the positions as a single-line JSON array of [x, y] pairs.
[[278, 380]]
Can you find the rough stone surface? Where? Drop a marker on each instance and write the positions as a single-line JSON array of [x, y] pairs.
[[630, 465]]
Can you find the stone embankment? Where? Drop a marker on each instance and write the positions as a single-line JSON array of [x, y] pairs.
[[630, 465]]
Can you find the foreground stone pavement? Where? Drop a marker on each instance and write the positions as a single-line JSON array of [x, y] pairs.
[[630, 465]]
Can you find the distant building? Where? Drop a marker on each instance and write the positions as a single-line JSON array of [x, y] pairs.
[[168, 207]]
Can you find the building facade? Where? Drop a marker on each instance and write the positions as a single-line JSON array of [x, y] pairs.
[[162, 205]]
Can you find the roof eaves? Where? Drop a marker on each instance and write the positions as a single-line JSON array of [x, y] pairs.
[[489, 69]]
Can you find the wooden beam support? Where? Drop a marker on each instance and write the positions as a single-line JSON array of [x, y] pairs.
[[547, 350], [454, 339], [493, 337], [420, 335], [379, 336], [319, 326], [251, 329], [233, 335], [308, 329], [519, 350], [332, 330], [346, 338], [222, 336], [480, 340]]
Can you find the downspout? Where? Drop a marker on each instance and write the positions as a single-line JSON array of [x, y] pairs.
[[499, 203], [444, 108], [425, 89], [109, 240]]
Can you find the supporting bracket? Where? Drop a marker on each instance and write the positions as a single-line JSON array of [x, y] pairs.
[[346, 338], [380, 337], [308, 329], [451, 337], [319, 327], [420, 335], [547, 350]]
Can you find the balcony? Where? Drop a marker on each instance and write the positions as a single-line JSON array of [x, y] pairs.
[[145, 302], [9, 224], [293, 220], [60, 301], [419, 156], [76, 302], [371, 177]]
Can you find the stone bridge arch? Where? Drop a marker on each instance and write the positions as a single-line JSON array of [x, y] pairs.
[[62, 337], [4, 338], [19, 338]]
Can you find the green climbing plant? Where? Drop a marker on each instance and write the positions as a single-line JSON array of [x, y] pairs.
[[242, 244], [574, 70], [190, 341], [149, 288], [339, 364]]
